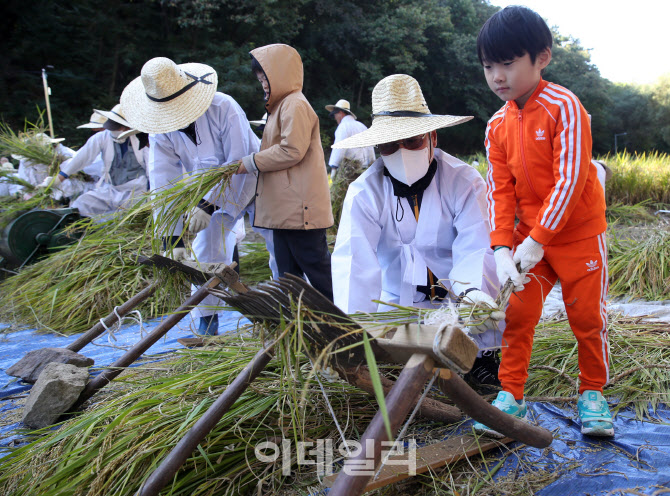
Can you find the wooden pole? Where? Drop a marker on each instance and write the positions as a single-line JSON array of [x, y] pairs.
[[399, 402], [144, 344], [47, 92], [473, 405], [112, 318], [166, 470]]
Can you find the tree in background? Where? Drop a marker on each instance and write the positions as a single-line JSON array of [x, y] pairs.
[[96, 48]]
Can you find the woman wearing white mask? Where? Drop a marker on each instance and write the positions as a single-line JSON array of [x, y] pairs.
[[416, 216], [124, 154]]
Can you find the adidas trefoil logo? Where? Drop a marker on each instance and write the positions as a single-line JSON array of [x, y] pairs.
[[592, 265], [539, 135]]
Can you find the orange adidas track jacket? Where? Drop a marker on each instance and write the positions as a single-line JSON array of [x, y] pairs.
[[540, 170]]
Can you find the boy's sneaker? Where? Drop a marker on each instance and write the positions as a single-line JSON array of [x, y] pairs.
[[505, 402], [595, 414]]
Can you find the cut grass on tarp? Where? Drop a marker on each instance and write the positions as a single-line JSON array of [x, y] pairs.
[[71, 289], [116, 444], [640, 268], [112, 447]]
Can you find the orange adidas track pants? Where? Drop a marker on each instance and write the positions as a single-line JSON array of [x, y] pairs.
[[581, 266]]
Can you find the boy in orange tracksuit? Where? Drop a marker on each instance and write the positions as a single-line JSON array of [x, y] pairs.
[[539, 152]]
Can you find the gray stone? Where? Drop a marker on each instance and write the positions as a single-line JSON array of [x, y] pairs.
[[32, 364], [56, 390]]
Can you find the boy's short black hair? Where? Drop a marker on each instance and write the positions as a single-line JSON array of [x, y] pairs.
[[513, 32]]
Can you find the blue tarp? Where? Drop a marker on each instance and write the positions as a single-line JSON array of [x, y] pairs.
[[636, 461]]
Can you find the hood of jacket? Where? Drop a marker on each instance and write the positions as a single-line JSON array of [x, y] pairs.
[[283, 68]]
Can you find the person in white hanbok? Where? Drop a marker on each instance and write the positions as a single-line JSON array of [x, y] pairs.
[[347, 126], [124, 177], [193, 128], [8, 171], [416, 216]]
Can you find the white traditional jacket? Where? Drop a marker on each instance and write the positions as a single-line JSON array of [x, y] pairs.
[[378, 257], [224, 136], [348, 127], [102, 145]]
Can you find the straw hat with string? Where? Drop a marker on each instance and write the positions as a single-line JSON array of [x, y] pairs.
[[399, 111], [167, 96], [342, 105], [96, 122]]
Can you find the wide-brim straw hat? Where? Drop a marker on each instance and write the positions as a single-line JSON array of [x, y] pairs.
[[41, 138], [399, 111], [116, 115], [167, 96], [96, 121], [261, 122], [341, 105]]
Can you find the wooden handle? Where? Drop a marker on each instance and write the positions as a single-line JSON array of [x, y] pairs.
[[180, 453], [144, 344], [475, 406], [399, 402], [112, 318]]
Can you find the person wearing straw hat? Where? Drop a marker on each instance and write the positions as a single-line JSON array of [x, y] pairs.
[[35, 173], [95, 124], [416, 216], [347, 126], [193, 128], [292, 196], [123, 178]]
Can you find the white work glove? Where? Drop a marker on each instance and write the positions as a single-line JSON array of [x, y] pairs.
[[197, 220], [528, 254], [333, 172], [489, 319], [179, 254], [56, 193], [506, 268]]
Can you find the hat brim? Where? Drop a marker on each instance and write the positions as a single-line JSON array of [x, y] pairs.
[[90, 125], [164, 117], [112, 117], [385, 129], [332, 108]]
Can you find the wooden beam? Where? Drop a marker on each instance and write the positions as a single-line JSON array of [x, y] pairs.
[[433, 456], [403, 341]]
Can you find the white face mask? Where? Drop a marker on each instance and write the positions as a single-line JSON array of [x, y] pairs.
[[116, 134], [408, 166]]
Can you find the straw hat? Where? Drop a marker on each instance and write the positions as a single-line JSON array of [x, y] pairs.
[[116, 115], [167, 96], [399, 111], [96, 122], [262, 122], [341, 105], [7, 167]]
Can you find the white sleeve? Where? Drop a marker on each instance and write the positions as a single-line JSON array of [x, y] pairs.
[[471, 247], [357, 274], [164, 169], [238, 141], [337, 154], [86, 155]]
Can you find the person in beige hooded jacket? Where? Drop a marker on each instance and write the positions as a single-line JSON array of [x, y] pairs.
[[292, 195]]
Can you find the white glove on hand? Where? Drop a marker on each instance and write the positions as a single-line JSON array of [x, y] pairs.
[[333, 173], [528, 254], [329, 374], [197, 220], [47, 182], [506, 268], [55, 192], [482, 322], [179, 254]]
